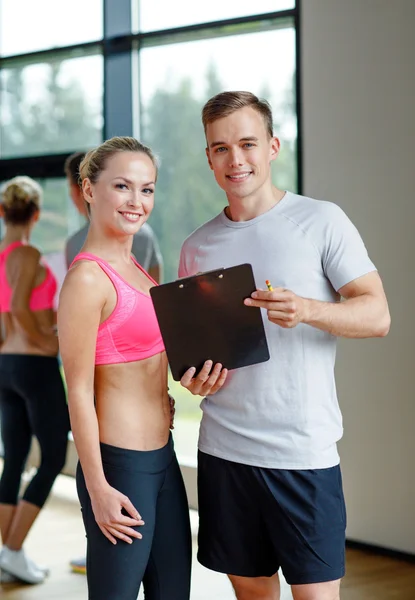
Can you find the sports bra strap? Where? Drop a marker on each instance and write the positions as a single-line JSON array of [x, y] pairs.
[[110, 272]]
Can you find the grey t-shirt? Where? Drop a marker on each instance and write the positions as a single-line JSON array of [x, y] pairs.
[[145, 247], [282, 413]]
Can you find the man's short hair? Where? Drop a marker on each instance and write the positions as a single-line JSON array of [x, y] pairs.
[[226, 103], [71, 167]]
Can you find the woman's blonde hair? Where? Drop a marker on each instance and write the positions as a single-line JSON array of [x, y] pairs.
[[94, 161], [21, 198]]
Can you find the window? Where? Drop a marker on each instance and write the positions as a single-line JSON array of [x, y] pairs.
[[51, 107], [165, 14], [58, 217], [54, 100], [31, 25]]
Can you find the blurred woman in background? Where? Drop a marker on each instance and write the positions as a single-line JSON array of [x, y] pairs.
[[32, 395]]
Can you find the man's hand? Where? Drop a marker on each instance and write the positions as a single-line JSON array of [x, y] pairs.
[[284, 308], [172, 403], [208, 382]]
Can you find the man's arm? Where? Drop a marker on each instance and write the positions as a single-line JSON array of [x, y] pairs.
[[363, 313]]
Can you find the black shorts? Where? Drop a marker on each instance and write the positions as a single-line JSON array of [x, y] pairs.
[[255, 520]]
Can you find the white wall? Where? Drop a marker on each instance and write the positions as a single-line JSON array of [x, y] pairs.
[[358, 79]]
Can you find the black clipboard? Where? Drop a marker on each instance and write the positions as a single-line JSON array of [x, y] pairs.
[[204, 317]]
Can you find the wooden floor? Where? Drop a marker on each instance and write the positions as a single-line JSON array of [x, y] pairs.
[[58, 536]]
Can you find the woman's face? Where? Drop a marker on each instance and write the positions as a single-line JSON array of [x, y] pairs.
[[123, 197]]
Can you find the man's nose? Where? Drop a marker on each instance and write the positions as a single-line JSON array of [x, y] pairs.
[[236, 158]]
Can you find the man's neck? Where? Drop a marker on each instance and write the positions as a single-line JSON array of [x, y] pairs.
[[246, 209]]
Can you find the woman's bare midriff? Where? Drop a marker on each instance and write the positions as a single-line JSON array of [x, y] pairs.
[[15, 339], [132, 403]]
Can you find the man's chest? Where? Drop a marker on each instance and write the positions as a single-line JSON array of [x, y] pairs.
[[286, 261]]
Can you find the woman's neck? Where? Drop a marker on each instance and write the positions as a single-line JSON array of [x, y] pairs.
[[16, 233], [112, 249]]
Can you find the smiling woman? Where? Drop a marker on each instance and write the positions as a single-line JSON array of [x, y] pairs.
[[116, 374]]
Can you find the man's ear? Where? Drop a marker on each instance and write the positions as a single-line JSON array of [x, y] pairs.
[[1, 211], [208, 157], [275, 146]]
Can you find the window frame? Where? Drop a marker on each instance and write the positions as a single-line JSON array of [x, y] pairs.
[[120, 48]]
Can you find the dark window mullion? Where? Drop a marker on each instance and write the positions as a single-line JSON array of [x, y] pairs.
[[118, 107]]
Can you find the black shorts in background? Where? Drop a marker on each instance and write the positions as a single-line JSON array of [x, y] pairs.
[[255, 520]]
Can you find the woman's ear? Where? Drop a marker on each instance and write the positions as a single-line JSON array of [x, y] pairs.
[[87, 190]]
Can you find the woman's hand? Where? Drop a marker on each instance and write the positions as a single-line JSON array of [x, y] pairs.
[[107, 506]]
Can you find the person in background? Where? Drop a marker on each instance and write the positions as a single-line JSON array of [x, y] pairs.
[[145, 249], [32, 395], [145, 246]]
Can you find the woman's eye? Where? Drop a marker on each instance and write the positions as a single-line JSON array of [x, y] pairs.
[[121, 186], [148, 191]]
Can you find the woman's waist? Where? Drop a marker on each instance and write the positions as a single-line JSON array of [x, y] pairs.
[[148, 460], [20, 347], [16, 339], [133, 421]]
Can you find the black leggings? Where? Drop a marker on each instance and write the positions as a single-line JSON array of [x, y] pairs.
[[32, 403], [162, 558]]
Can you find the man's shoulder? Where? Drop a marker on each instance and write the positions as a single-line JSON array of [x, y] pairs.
[[78, 235], [305, 209], [203, 231]]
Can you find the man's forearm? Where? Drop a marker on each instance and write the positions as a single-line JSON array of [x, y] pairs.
[[362, 317]]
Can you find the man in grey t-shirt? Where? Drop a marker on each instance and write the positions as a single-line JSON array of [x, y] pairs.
[[269, 481], [145, 246]]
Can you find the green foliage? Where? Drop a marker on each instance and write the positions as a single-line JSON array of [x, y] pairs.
[[59, 119]]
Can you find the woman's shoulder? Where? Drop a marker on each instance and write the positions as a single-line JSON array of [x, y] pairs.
[[84, 272], [26, 253], [84, 287]]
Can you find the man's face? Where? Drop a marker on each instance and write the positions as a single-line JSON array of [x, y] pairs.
[[240, 151]]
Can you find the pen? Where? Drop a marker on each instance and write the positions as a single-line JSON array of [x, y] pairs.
[[269, 286]]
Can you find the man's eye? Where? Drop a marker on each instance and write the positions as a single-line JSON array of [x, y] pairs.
[[249, 145], [220, 149]]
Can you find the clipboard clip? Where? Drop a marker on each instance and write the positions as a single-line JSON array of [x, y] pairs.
[[192, 277]]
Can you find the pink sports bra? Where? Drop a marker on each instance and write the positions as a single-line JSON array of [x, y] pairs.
[[43, 295], [131, 332]]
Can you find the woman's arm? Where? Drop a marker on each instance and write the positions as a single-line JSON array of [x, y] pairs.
[[24, 270], [82, 298]]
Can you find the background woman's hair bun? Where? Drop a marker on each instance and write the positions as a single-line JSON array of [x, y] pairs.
[[21, 191]]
